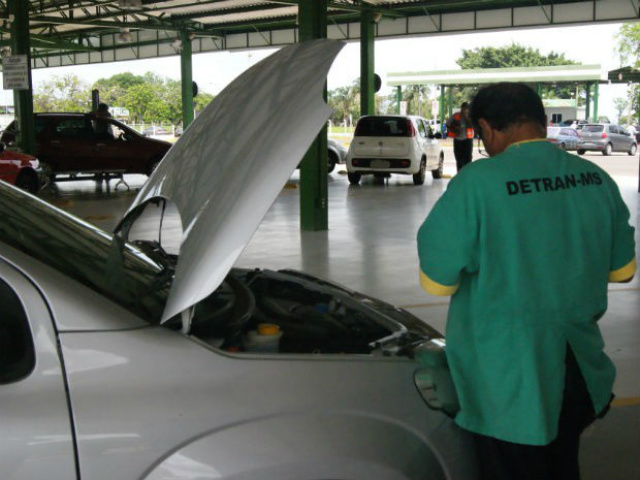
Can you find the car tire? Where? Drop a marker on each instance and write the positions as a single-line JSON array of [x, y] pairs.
[[437, 173], [633, 149], [332, 159], [563, 146], [153, 164], [28, 181], [418, 178], [580, 151], [354, 178], [608, 148]]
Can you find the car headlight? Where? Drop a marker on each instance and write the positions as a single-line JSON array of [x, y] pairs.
[[433, 378]]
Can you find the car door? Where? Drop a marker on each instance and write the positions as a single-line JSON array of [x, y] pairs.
[[71, 145], [432, 147], [35, 431]]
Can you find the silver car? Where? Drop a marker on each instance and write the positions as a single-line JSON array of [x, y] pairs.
[[564, 137], [121, 361], [606, 138]]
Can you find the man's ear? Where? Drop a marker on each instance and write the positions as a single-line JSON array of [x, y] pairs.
[[487, 131]]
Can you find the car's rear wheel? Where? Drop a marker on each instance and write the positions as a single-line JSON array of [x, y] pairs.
[[28, 181], [354, 178], [418, 178], [563, 146], [153, 164], [633, 149], [332, 159], [437, 173], [607, 150], [580, 151]]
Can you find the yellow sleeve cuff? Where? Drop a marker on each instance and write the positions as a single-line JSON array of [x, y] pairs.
[[625, 273], [434, 288]]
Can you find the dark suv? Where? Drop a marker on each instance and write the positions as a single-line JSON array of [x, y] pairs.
[[81, 143]]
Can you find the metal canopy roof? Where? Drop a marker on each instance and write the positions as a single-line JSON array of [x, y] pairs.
[[68, 32], [552, 74]]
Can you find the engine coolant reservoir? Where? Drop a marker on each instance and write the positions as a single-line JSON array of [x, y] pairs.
[[266, 339]]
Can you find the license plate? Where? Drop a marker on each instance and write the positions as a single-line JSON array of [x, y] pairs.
[[379, 164]]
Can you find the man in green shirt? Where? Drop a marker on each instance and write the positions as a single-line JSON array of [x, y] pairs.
[[526, 242]]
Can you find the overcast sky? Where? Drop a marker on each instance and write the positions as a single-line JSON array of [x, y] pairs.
[[593, 44]]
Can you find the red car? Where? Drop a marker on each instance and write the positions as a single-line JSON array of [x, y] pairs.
[[72, 144], [21, 170]]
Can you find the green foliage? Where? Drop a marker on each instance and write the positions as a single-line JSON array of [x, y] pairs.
[[150, 98], [345, 102], [628, 47], [515, 55], [63, 94]]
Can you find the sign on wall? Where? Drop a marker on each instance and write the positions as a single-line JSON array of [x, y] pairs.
[[15, 73]]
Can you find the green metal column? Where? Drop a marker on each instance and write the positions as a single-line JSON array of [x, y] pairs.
[[587, 110], [442, 104], [314, 211], [23, 99], [398, 97], [187, 79], [539, 89], [450, 101], [596, 95], [367, 37]]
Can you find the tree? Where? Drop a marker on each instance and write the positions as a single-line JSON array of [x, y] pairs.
[[62, 94], [621, 104], [344, 101], [515, 55], [628, 47]]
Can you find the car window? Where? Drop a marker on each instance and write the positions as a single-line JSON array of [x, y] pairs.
[[72, 127], [383, 127], [40, 124], [613, 129], [593, 128], [421, 129], [17, 355]]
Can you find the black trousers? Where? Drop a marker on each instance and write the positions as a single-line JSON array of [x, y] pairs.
[[558, 460], [463, 151]]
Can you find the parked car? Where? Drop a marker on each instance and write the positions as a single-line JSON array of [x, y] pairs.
[[606, 138], [336, 154], [394, 144], [564, 137], [120, 361], [21, 170], [68, 144], [572, 123], [150, 131]]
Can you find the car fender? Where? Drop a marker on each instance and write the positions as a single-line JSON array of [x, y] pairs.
[[323, 445]]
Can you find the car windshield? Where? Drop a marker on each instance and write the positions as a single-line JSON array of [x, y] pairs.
[[383, 127], [84, 253], [593, 128]]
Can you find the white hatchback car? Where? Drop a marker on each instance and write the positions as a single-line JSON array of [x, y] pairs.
[[120, 361], [388, 144]]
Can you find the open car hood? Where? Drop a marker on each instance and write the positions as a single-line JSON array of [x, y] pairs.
[[233, 160]]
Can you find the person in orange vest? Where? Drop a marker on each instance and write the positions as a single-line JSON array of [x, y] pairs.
[[460, 129]]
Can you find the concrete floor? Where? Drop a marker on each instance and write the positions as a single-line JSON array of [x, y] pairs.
[[370, 246]]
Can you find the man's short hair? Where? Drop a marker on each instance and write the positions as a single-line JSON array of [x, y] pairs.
[[464, 104], [505, 104]]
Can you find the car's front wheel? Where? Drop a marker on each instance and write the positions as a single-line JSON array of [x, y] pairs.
[[418, 178], [354, 178], [632, 149], [332, 159], [607, 150], [28, 181], [580, 151], [437, 173]]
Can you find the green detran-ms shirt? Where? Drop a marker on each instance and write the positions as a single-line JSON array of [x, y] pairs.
[[526, 242]]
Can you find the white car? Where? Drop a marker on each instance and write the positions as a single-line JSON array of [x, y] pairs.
[[120, 361], [388, 144]]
